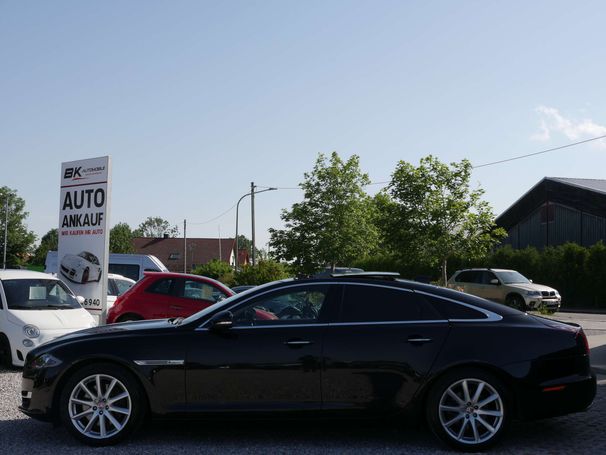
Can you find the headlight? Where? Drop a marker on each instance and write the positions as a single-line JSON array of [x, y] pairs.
[[44, 361], [31, 331], [533, 293]]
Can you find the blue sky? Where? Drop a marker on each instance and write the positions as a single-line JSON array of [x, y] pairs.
[[195, 99]]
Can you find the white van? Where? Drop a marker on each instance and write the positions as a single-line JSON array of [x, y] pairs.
[[35, 308], [129, 265]]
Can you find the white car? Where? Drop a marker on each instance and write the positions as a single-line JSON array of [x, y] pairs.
[[117, 285], [81, 268], [35, 308]]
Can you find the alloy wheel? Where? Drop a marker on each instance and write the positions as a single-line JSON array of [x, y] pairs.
[[100, 406], [471, 411]]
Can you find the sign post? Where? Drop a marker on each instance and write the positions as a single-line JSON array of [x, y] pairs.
[[83, 249]]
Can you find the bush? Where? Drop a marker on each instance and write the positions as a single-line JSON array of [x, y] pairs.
[[217, 270], [263, 272]]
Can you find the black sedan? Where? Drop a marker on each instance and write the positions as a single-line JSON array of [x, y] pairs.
[[366, 345]]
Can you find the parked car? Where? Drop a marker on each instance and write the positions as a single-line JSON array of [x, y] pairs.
[[166, 295], [357, 345], [506, 286], [35, 308], [81, 268], [116, 286]]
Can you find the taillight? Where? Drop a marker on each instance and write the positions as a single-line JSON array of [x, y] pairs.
[[582, 341]]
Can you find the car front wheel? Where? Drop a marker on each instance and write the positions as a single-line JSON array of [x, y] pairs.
[[101, 404], [468, 409], [516, 302]]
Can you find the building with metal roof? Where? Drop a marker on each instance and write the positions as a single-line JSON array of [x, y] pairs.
[[557, 210]]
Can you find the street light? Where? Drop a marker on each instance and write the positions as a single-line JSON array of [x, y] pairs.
[[252, 195]]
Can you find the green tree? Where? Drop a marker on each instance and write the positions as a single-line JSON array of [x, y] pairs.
[[216, 269], [433, 214], [49, 242], [263, 272], [121, 239], [333, 225], [156, 227], [20, 241]]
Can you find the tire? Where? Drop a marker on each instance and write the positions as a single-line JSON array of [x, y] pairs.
[[109, 416], [85, 275], [6, 358], [516, 302], [468, 421], [129, 318]]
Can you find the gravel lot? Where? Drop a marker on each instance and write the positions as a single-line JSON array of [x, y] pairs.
[[578, 433]]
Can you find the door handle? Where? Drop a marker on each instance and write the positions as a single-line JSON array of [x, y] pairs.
[[416, 339], [297, 342], [175, 307]]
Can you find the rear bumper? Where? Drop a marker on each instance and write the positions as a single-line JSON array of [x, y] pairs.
[[555, 398]]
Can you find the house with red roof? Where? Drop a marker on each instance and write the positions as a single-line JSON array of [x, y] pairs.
[[179, 254]]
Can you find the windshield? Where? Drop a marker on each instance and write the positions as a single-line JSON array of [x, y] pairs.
[[512, 277], [38, 294]]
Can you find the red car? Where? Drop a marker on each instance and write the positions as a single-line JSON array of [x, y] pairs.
[[161, 295]]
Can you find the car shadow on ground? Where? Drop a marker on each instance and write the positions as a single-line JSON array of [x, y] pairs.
[[557, 435]]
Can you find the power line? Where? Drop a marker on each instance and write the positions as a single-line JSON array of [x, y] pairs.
[[217, 217], [506, 160], [541, 152]]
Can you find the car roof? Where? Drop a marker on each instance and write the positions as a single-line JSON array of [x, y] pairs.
[[183, 275], [117, 276], [17, 274]]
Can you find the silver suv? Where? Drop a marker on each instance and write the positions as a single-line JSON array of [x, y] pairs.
[[506, 286]]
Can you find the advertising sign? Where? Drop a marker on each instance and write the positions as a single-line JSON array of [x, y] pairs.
[[83, 230]]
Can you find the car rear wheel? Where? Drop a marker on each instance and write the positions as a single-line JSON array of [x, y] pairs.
[[101, 404], [516, 302], [468, 409]]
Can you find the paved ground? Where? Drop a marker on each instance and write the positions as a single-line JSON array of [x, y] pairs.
[[581, 433]]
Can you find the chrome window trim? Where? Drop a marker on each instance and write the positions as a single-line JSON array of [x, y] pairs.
[[159, 362], [332, 324], [490, 316], [427, 321]]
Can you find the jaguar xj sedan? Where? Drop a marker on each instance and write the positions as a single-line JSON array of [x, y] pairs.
[[365, 344]]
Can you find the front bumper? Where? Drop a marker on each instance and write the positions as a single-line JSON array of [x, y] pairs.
[[37, 391], [534, 303]]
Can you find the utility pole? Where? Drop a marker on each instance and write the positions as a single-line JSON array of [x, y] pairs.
[[184, 246], [220, 258], [252, 217], [5, 231]]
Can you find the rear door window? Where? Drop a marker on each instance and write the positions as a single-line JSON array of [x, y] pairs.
[[371, 303]]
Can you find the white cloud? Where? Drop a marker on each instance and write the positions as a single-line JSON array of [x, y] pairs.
[[552, 122]]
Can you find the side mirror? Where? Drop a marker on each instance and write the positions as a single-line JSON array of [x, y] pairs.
[[530, 281], [495, 281], [80, 299], [222, 321]]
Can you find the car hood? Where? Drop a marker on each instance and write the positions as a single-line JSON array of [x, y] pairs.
[[531, 287], [72, 260], [112, 329], [77, 318]]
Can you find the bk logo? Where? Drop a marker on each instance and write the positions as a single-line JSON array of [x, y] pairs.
[[72, 172]]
